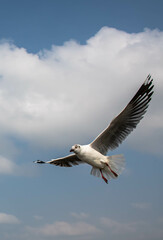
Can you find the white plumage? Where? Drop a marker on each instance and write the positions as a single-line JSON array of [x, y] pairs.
[[120, 127]]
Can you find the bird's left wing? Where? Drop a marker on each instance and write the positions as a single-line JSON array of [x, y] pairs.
[[126, 121], [68, 161]]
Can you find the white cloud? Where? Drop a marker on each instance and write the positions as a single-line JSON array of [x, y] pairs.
[[7, 166], [81, 215], [70, 93], [118, 227], [10, 167], [65, 229], [151, 228], [8, 219]]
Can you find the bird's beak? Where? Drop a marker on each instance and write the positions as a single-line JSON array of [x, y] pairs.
[[71, 150]]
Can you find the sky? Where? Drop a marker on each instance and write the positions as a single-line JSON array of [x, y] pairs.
[[67, 68]]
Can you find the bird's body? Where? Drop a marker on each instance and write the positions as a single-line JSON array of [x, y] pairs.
[[120, 127], [89, 155], [105, 166]]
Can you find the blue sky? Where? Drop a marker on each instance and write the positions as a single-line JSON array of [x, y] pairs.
[[66, 69], [37, 25]]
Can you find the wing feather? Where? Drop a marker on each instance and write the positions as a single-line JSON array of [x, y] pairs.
[[121, 126], [68, 161]]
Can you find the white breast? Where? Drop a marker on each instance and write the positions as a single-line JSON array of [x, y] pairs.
[[91, 156]]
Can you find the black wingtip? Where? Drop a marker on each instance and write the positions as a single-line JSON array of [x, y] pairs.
[[148, 81], [144, 92], [39, 161]]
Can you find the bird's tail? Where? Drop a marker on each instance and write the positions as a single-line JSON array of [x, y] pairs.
[[113, 168], [117, 163]]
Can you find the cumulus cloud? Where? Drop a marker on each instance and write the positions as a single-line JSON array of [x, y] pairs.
[[70, 93], [8, 219], [65, 229]]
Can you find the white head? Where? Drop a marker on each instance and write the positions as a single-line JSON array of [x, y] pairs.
[[76, 148]]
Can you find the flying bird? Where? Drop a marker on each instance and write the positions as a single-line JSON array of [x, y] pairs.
[[94, 154]]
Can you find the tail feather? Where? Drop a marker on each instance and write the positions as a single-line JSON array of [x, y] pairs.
[[95, 172], [117, 163], [113, 169]]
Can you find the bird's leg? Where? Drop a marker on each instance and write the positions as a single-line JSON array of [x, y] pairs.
[[103, 176], [115, 174]]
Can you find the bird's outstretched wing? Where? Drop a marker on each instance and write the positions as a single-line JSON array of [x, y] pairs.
[[126, 121], [68, 161]]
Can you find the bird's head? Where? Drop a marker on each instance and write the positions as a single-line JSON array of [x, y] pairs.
[[76, 148]]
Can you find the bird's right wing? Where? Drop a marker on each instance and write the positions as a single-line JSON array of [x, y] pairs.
[[126, 121], [68, 161]]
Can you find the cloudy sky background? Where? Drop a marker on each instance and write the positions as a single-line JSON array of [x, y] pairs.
[[66, 69]]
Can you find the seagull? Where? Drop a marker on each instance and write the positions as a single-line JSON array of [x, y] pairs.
[[121, 126]]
